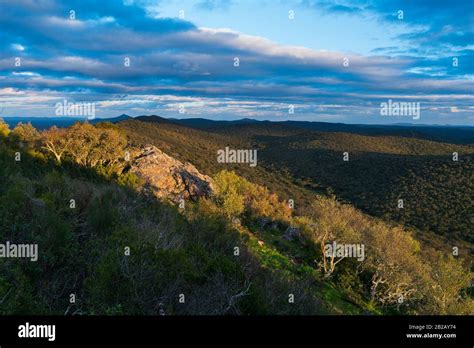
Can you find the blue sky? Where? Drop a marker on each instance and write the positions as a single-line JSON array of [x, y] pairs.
[[182, 56]]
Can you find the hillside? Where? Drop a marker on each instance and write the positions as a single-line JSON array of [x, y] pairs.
[[437, 191], [83, 195], [448, 134], [200, 148], [132, 253]]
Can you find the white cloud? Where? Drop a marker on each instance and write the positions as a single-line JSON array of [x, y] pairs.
[[18, 47]]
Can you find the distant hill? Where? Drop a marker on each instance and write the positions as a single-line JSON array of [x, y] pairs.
[[205, 123], [451, 134], [153, 119], [122, 117]]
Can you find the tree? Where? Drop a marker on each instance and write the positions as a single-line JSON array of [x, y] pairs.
[[84, 137], [109, 148], [397, 272], [229, 192], [449, 278], [56, 141], [263, 203], [91, 146], [236, 195], [25, 134], [330, 222], [4, 128]]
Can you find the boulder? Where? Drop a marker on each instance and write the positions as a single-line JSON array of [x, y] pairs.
[[168, 178]]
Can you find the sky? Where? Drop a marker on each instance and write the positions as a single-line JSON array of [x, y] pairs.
[[311, 60]]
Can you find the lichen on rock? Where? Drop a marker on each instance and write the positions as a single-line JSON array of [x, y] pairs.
[[168, 178]]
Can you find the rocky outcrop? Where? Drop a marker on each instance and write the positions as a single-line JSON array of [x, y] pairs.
[[167, 177]]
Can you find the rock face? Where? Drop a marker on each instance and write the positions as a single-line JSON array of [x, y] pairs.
[[168, 178]]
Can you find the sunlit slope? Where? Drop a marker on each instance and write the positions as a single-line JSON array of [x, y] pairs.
[[437, 192]]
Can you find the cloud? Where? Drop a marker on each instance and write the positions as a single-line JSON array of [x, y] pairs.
[[114, 48], [18, 47]]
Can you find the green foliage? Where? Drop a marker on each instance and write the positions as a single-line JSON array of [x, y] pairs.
[[24, 134], [446, 291], [130, 180], [102, 211], [230, 191], [86, 145], [237, 195]]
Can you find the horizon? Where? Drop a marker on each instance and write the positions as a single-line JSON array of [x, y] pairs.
[[227, 60], [400, 124]]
